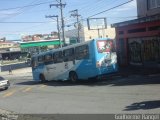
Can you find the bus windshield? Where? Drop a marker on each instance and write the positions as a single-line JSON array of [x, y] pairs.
[[104, 46]]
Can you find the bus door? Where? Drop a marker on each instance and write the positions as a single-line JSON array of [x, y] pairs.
[[55, 67], [37, 66], [34, 64], [69, 61], [48, 69]]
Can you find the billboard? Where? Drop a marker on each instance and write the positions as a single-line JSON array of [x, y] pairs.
[[96, 23]]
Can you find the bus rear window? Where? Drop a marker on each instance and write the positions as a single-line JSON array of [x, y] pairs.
[[104, 46], [33, 62]]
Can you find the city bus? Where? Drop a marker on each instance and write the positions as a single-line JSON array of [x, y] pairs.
[[75, 62]]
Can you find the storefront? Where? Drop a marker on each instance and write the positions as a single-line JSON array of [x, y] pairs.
[[138, 41]]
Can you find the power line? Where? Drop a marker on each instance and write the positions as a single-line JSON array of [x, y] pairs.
[[22, 10], [71, 24], [26, 6], [111, 8], [96, 6], [24, 22]]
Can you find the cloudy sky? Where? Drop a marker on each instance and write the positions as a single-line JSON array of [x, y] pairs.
[[22, 17]]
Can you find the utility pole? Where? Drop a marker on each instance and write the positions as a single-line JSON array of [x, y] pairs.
[[74, 13], [62, 19], [57, 27]]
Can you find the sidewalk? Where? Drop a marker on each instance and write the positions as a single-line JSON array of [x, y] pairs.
[[18, 71]]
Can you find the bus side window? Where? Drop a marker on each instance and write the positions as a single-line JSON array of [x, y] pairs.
[[82, 52], [33, 62], [48, 58], [68, 55], [58, 57], [40, 59]]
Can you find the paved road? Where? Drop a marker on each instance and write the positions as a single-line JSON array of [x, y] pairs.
[[133, 94]]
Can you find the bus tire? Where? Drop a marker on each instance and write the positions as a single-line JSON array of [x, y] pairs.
[[42, 78], [73, 76]]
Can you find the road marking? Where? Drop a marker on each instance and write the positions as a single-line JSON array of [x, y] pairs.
[[9, 94], [27, 89], [42, 86]]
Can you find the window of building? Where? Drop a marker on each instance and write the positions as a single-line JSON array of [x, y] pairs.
[[154, 28], [153, 4], [158, 2], [137, 30], [82, 52], [121, 32]]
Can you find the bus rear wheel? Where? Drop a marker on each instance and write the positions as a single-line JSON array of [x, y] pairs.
[[42, 78], [73, 76]]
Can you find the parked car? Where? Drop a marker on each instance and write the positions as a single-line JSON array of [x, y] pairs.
[[4, 84]]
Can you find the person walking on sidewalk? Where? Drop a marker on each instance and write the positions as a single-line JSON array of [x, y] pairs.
[[10, 70]]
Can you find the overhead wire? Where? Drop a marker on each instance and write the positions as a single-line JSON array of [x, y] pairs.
[[71, 24], [68, 20], [96, 6], [105, 10], [111, 8], [21, 7]]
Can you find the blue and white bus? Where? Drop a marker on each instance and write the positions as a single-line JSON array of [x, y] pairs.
[[80, 61]]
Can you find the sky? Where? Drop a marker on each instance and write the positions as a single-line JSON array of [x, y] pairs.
[[27, 17]]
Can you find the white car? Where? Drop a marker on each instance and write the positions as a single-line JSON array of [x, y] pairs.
[[4, 84]]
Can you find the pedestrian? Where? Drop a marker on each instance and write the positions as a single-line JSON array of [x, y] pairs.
[[10, 70]]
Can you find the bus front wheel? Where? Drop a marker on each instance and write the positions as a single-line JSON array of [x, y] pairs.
[[73, 76], [42, 78]]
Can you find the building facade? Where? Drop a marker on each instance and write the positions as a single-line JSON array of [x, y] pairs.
[[138, 40], [38, 37], [9, 50], [7, 45], [86, 34], [148, 7]]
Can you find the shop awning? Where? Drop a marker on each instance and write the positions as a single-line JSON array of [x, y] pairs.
[[39, 43]]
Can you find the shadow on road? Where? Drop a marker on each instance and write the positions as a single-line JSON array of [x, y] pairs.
[[137, 81], [28, 83], [146, 105], [127, 81], [61, 83], [58, 83]]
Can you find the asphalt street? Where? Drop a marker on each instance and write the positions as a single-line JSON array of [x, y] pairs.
[[130, 94]]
